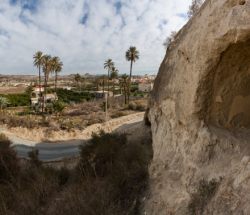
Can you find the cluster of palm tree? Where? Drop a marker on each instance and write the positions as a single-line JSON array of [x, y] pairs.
[[132, 55], [112, 71], [48, 65]]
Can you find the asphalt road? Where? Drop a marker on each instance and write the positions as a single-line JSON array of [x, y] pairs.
[[48, 151], [59, 150]]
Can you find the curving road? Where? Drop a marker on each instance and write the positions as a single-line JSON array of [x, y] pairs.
[[59, 150]]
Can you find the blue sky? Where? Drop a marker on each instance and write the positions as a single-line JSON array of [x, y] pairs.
[[84, 33]]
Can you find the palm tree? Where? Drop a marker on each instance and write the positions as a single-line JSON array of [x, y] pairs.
[[57, 69], [132, 54], [113, 75], [103, 83], [54, 63], [38, 61], [97, 82], [47, 68], [109, 64], [124, 82]]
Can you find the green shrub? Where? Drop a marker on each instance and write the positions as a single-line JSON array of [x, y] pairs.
[[3, 102], [58, 106], [69, 96], [15, 100]]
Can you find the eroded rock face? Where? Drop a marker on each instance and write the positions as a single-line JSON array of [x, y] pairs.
[[200, 113]]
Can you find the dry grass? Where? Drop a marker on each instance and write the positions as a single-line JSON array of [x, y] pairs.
[[109, 179], [74, 117], [12, 90]]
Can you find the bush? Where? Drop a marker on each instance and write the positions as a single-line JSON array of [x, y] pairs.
[[201, 198], [109, 179], [9, 164], [15, 100], [69, 96], [118, 114], [34, 160], [13, 121], [58, 106], [123, 166], [137, 105]]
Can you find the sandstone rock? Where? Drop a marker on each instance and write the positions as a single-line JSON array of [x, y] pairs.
[[200, 113]]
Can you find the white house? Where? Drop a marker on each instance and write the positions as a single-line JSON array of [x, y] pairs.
[[145, 87], [100, 94], [35, 96]]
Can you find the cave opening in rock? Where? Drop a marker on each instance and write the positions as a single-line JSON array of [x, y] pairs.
[[229, 104]]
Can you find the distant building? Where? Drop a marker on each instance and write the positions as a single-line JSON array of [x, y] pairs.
[[35, 96], [145, 87], [101, 94], [66, 87], [38, 89]]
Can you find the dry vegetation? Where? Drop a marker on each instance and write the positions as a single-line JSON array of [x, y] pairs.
[[12, 90], [74, 117], [110, 178]]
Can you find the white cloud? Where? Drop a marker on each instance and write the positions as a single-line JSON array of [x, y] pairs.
[[110, 27]]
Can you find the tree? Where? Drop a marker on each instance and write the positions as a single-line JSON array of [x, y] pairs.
[[3, 102], [169, 39], [58, 69], [77, 79], [38, 62], [132, 55], [113, 75], [194, 7], [47, 68], [97, 82], [82, 82], [103, 83], [58, 107], [29, 90], [124, 82], [109, 64], [54, 64]]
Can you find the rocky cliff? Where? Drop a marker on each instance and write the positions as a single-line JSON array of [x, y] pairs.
[[200, 116]]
